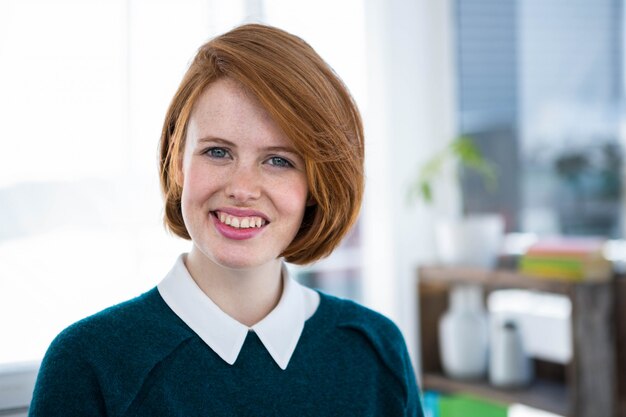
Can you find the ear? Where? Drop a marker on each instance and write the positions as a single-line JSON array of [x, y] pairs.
[[310, 202]]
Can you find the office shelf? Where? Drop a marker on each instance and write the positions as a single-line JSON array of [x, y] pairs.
[[588, 386]]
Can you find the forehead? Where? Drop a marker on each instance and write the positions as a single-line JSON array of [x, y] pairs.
[[227, 109], [226, 97]]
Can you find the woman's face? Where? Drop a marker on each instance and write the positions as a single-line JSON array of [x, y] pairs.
[[244, 186]]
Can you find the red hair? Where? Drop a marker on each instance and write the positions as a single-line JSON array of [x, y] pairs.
[[311, 105]]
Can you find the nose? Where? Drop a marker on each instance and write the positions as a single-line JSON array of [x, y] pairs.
[[244, 184]]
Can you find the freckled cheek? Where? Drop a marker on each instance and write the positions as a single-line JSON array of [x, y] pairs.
[[198, 185], [195, 201], [298, 194]]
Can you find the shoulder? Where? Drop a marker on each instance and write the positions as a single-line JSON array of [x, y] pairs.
[[349, 314], [130, 324], [141, 331], [111, 352], [374, 332]]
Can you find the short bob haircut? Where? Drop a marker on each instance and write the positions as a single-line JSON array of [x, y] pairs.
[[310, 104]]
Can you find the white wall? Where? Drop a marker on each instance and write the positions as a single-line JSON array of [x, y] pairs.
[[410, 114]]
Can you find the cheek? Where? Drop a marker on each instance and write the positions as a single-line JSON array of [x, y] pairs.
[[298, 197], [195, 193], [197, 182]]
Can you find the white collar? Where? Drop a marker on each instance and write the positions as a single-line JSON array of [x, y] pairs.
[[279, 331]]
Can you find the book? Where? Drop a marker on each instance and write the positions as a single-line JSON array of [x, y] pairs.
[[462, 405], [430, 403], [567, 258]]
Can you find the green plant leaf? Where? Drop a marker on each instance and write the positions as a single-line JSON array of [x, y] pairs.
[[427, 193], [462, 150]]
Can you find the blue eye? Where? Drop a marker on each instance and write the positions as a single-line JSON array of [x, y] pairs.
[[217, 153], [280, 162]]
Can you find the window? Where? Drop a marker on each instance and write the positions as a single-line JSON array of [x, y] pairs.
[[84, 85], [541, 91]]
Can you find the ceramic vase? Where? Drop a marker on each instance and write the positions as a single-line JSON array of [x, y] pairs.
[[464, 334], [474, 240]]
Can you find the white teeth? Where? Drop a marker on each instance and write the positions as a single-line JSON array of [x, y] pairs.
[[240, 222]]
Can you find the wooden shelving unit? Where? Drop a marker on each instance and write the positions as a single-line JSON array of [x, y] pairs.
[[585, 387]]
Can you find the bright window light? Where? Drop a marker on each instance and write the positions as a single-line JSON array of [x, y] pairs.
[[84, 86]]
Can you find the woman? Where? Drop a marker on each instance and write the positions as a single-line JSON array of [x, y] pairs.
[[261, 163]]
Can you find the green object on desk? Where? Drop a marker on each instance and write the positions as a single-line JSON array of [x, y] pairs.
[[468, 406]]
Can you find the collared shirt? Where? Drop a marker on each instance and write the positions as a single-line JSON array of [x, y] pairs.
[[279, 331]]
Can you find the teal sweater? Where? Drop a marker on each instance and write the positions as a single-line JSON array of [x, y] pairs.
[[139, 359]]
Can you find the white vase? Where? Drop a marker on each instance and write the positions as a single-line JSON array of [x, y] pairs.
[[474, 240], [464, 334]]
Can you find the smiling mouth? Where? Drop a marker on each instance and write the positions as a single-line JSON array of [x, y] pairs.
[[252, 222]]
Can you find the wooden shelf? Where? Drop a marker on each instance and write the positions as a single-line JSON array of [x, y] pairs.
[[542, 394], [445, 275], [590, 385]]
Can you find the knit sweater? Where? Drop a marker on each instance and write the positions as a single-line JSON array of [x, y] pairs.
[[139, 359]]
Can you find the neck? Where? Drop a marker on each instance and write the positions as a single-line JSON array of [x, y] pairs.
[[247, 295]]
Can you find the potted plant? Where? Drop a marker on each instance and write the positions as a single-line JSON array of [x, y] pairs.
[[461, 240], [465, 154], [470, 240]]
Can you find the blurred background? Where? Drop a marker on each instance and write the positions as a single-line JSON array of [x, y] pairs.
[[84, 86]]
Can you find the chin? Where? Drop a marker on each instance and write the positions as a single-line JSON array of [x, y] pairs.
[[236, 256], [239, 262]]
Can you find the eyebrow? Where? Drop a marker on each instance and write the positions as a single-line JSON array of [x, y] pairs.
[[215, 139], [219, 140]]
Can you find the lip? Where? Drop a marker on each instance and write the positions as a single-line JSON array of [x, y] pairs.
[[234, 233], [239, 212]]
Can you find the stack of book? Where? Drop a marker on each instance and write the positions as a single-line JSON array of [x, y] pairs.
[[460, 405], [567, 258]]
